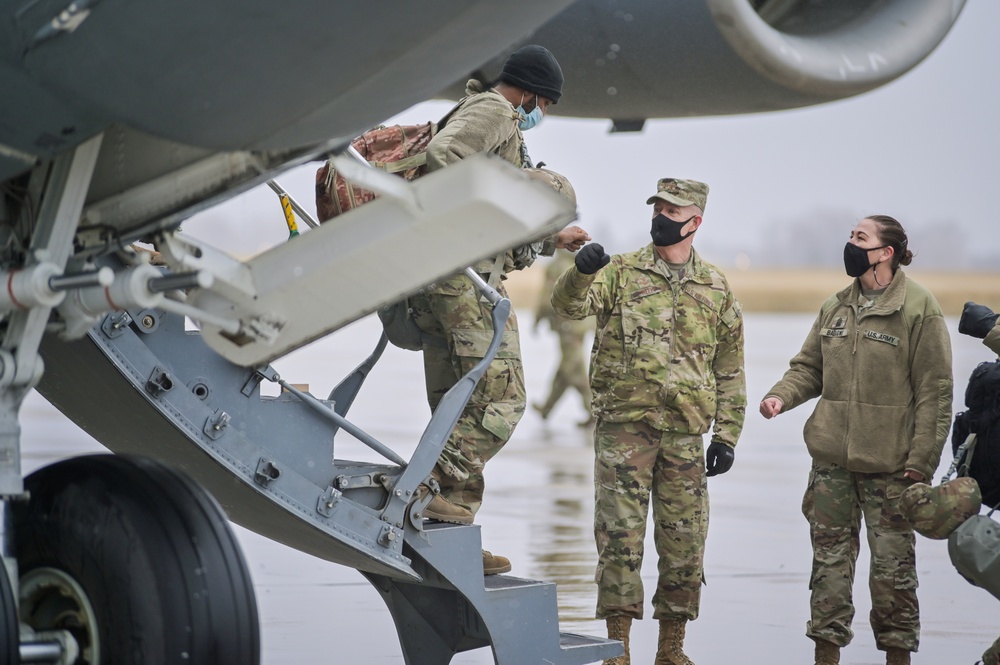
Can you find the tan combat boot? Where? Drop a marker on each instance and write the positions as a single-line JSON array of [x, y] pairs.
[[670, 645], [618, 629], [443, 510], [494, 564], [894, 656], [827, 653]]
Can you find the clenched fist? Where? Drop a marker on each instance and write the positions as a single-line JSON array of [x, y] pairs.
[[591, 258]]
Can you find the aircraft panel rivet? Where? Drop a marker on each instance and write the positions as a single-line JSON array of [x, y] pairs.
[[399, 492], [147, 321]]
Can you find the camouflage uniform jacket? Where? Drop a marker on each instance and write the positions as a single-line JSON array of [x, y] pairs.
[[668, 351], [883, 376], [486, 122]]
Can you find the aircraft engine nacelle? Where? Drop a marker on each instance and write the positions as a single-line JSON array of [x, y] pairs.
[[630, 60]]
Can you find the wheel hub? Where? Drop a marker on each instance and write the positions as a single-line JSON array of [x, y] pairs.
[[50, 599]]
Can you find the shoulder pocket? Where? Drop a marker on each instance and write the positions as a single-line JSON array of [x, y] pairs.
[[732, 316]]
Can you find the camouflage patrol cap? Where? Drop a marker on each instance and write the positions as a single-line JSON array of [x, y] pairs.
[[554, 180], [680, 192], [936, 511]]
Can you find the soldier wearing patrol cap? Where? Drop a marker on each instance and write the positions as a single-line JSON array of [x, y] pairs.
[[666, 368]]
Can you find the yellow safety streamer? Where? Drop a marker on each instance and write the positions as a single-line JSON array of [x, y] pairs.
[[286, 206]]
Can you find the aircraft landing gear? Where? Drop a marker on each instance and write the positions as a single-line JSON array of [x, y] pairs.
[[8, 620], [136, 561]]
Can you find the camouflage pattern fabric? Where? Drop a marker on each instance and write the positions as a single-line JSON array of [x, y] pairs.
[[936, 511], [835, 502], [680, 192], [486, 122], [384, 148], [634, 464], [556, 181], [453, 310], [992, 339], [992, 655], [572, 369], [668, 349]]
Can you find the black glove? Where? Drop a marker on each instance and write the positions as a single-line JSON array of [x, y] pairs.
[[719, 458], [591, 258], [977, 320]]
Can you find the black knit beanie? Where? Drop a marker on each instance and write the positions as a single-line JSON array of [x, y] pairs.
[[535, 69]]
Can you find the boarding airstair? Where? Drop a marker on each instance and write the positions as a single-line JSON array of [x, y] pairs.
[[270, 462]]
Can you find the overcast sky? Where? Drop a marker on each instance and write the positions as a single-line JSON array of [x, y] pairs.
[[786, 187]]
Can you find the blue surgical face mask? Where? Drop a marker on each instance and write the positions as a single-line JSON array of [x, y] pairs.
[[529, 120]]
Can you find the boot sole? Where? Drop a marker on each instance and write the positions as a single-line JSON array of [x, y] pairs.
[[437, 517], [497, 570]]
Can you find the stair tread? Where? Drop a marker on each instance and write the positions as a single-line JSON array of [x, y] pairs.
[[509, 582], [576, 640]]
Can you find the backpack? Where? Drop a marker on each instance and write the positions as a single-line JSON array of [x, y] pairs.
[[399, 327], [400, 149], [982, 418]]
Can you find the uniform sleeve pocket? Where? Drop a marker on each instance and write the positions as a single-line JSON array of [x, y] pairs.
[[732, 316], [475, 343]]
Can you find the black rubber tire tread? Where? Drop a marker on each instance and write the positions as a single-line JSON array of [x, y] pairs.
[[153, 551], [9, 633]]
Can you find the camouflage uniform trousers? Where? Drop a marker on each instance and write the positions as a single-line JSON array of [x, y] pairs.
[[454, 312], [834, 503], [635, 463], [572, 370]]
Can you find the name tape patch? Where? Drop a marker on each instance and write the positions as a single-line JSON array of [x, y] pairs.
[[882, 337], [648, 291], [833, 332]]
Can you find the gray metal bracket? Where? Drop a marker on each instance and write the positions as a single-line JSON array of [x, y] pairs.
[[115, 324], [328, 500], [159, 382], [216, 424], [355, 481], [343, 395], [266, 472]]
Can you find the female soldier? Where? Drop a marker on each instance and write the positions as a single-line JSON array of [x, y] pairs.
[[879, 358]]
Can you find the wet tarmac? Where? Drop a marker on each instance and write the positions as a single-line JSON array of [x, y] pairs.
[[538, 512]]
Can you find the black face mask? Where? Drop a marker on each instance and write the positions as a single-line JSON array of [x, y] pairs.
[[856, 259], [666, 232]]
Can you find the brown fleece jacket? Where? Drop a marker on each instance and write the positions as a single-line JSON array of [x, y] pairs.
[[883, 376]]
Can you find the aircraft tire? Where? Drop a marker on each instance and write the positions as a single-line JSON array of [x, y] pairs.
[[137, 561], [9, 633]]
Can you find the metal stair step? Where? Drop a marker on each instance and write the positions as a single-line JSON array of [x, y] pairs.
[[497, 582], [574, 641]]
